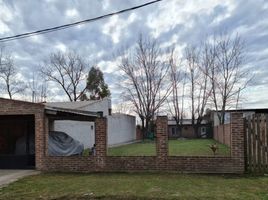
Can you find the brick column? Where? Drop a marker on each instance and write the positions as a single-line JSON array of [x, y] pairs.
[[40, 143], [101, 141], [237, 140], [162, 136]]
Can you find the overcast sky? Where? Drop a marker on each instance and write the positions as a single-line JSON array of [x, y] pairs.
[[171, 22]]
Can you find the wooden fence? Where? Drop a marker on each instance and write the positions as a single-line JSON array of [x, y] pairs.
[[256, 143]]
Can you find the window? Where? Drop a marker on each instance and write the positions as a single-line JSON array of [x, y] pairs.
[[173, 131]]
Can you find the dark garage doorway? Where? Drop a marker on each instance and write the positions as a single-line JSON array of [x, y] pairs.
[[17, 142]]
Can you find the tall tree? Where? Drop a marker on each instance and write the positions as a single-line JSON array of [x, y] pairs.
[[145, 70], [68, 71], [11, 82], [96, 85], [200, 90], [227, 75], [176, 100], [37, 86]]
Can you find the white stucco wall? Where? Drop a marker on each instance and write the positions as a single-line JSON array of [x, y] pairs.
[[81, 131], [103, 106], [121, 129]]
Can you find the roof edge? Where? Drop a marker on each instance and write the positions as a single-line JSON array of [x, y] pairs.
[[24, 102]]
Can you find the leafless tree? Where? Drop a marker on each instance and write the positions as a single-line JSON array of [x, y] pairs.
[[66, 70], [227, 75], [200, 90], [176, 99], [9, 75], [38, 88], [145, 70], [123, 107]]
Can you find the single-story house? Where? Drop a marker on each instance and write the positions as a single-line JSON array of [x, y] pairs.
[[186, 130]]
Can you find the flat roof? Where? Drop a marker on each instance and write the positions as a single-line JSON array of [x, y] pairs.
[[256, 110], [70, 114]]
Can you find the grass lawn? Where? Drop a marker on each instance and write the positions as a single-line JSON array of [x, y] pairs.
[[136, 186], [182, 147]]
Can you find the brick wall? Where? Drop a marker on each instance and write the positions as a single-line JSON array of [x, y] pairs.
[[101, 162], [161, 162]]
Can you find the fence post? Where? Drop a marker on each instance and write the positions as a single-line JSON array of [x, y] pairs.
[[101, 141], [237, 141], [162, 136]]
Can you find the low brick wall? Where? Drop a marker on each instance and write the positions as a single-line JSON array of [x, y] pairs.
[[194, 164], [102, 162], [161, 162]]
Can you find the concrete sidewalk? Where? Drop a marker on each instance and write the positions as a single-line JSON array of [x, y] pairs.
[[9, 176]]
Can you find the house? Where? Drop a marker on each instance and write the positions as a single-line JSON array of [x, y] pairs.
[[186, 130], [121, 127]]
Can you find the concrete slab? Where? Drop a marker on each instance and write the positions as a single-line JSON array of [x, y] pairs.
[[9, 176]]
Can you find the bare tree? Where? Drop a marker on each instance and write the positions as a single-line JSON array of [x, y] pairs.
[[200, 90], [176, 100], [192, 67], [67, 70], [227, 75], [145, 71], [9, 75], [38, 88], [123, 107]]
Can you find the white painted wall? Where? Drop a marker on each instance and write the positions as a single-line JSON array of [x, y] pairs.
[[84, 132], [103, 105], [121, 129]]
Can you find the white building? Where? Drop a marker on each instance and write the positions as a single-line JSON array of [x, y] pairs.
[[121, 128]]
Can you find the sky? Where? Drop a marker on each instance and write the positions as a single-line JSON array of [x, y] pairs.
[[170, 22]]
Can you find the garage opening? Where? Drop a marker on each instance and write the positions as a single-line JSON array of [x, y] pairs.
[[17, 142]]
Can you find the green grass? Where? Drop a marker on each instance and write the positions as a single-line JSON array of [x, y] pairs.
[[182, 147], [136, 186], [196, 147], [145, 148]]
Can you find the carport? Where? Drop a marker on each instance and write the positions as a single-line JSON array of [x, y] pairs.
[[18, 122], [24, 128]]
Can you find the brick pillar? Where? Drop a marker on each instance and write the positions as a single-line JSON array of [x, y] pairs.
[[162, 136], [40, 143], [237, 140], [101, 141]]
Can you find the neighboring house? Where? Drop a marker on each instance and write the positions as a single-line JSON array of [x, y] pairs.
[[121, 127], [186, 130], [222, 133]]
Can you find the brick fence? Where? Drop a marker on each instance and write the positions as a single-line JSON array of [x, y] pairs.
[[161, 162], [101, 162]]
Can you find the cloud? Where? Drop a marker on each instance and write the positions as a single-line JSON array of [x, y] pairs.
[[172, 22], [72, 13]]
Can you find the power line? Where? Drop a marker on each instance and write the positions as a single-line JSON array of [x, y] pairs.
[[65, 26]]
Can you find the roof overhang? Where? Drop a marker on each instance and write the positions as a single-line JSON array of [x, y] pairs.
[[56, 113]]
